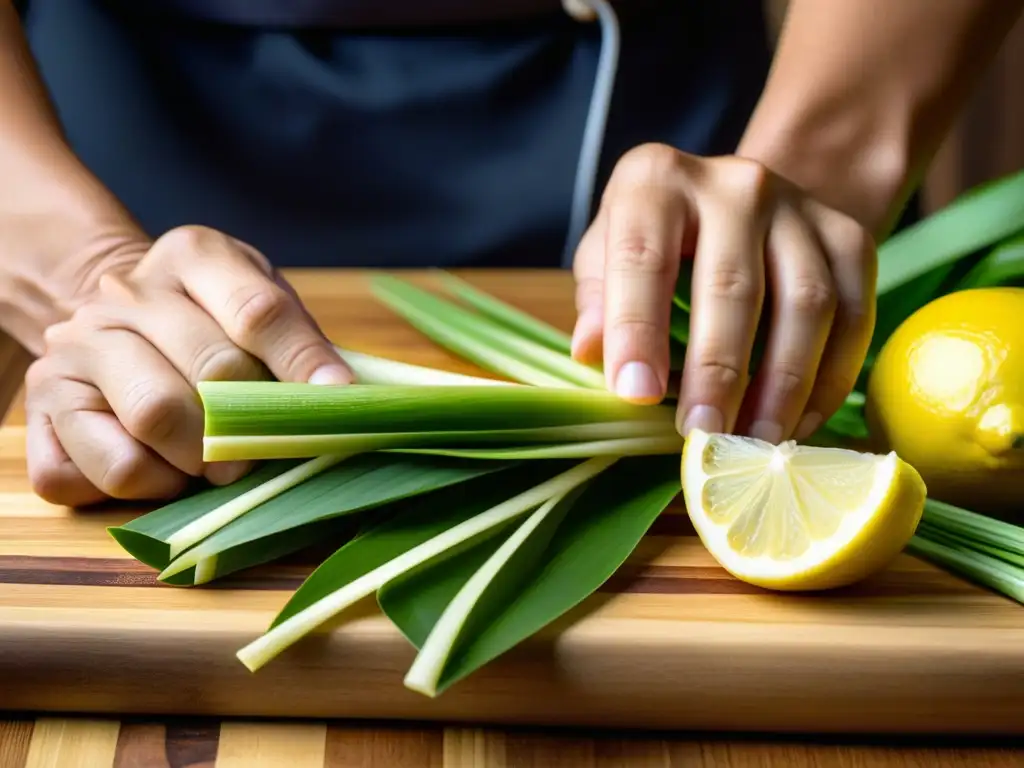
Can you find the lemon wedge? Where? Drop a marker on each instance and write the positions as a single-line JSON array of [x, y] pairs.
[[794, 517]]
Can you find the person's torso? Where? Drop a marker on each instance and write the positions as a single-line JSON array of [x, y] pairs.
[[326, 138]]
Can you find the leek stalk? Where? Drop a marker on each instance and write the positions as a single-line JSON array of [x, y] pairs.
[[282, 636]]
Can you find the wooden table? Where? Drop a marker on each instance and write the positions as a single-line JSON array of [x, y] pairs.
[[914, 650]]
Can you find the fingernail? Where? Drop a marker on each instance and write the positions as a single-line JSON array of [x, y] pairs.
[[637, 382], [769, 431], [808, 426], [330, 374], [226, 472], [703, 417]]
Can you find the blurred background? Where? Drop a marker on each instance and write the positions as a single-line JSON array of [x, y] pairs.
[[988, 140]]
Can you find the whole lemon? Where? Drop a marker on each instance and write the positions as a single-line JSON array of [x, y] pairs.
[[947, 394]]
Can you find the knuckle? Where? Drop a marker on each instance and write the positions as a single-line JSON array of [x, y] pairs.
[[813, 297], [38, 374], [637, 255], [48, 482], [720, 373], [121, 476], [190, 238], [151, 414], [221, 362], [788, 381], [301, 357], [589, 293], [649, 161], [254, 310], [745, 181], [733, 284]]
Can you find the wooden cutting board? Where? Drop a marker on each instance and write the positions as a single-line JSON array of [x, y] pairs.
[[671, 642]]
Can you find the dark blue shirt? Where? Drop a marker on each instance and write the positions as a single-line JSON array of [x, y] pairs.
[[365, 144]]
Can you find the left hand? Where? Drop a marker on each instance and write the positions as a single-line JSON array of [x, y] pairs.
[[749, 231]]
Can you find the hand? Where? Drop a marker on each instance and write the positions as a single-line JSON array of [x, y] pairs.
[[111, 405], [745, 228]]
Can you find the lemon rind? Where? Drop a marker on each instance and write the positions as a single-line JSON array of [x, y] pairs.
[[766, 568]]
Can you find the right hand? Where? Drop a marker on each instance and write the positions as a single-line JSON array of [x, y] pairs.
[[111, 406]]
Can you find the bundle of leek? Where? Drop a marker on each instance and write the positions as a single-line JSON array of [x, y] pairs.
[[452, 494]]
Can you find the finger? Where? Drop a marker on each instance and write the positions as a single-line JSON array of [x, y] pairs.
[[803, 306], [726, 299], [643, 243], [181, 331], [853, 261], [109, 458], [53, 475], [588, 270], [152, 401], [195, 347], [255, 312]]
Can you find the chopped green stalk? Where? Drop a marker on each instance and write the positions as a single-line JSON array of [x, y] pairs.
[[524, 324], [431, 314], [962, 522], [220, 516], [636, 446], [966, 544], [282, 636], [370, 369], [238, 408], [987, 571], [425, 672], [259, 447]]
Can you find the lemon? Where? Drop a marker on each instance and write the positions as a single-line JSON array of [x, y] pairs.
[[793, 517], [947, 394]]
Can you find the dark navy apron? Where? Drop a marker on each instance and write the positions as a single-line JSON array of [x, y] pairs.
[[330, 133]]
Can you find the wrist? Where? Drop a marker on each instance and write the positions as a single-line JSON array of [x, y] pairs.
[[858, 161], [54, 260]]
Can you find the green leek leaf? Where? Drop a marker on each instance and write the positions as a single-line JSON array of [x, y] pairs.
[[355, 485], [977, 219], [1003, 265], [449, 541], [411, 523], [146, 537], [602, 526], [522, 323], [481, 340]]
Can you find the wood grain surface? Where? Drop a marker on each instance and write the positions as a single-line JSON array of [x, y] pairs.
[[192, 743], [671, 642]]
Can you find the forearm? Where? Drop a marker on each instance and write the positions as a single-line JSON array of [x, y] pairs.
[[59, 226], [862, 93]]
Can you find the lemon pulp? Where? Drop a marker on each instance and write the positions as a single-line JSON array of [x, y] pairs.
[[798, 517]]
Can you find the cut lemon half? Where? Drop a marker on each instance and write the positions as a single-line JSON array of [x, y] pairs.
[[794, 517]]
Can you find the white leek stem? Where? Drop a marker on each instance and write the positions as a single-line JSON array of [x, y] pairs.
[[206, 569], [220, 516], [265, 648], [426, 670], [370, 369]]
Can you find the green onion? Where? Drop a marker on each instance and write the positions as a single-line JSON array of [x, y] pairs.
[[265, 648]]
